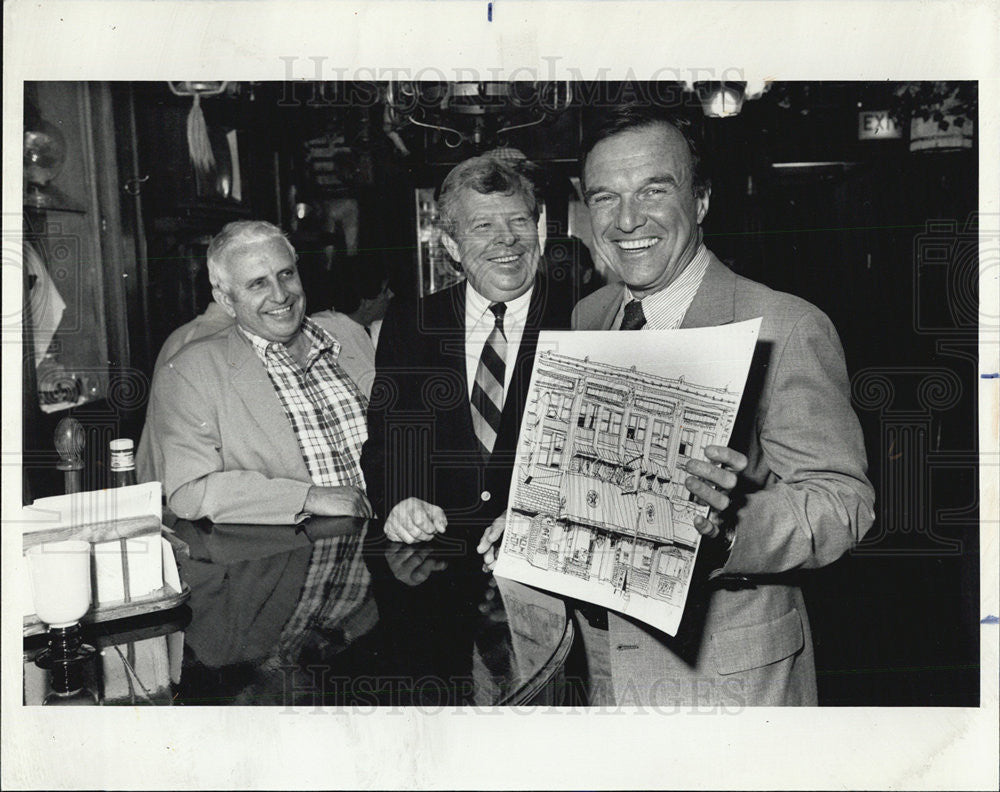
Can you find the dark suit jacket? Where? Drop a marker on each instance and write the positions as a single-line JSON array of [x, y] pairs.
[[421, 441], [803, 501]]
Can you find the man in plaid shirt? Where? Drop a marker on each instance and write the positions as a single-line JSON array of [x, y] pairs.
[[258, 422]]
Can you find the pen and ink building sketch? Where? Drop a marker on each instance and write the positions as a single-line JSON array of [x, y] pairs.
[[598, 490]]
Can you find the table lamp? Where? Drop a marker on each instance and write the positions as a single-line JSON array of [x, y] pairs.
[[60, 588]]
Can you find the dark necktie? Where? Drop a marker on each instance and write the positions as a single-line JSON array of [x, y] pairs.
[[487, 390], [634, 318]]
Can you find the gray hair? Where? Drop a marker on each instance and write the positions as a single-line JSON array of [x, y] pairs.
[[239, 234], [486, 174]]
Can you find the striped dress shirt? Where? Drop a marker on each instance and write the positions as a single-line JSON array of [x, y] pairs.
[[665, 309]]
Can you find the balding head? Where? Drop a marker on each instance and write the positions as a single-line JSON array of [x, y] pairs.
[[236, 236]]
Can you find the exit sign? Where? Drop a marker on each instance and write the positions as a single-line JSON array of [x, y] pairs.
[[877, 125]]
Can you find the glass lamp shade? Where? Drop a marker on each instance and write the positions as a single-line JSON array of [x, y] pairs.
[[724, 102], [69, 439], [60, 581], [44, 156], [721, 99], [44, 153]]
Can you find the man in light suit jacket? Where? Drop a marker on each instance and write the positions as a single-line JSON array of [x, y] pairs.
[[803, 499], [257, 423], [213, 319], [442, 423]]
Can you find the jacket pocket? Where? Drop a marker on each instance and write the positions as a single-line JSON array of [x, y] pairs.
[[742, 648]]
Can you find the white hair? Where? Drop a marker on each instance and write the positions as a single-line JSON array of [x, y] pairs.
[[238, 234]]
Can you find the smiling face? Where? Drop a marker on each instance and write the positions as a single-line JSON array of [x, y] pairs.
[[262, 290], [645, 214], [496, 242]]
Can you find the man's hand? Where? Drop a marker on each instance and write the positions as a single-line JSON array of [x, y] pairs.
[[414, 520], [337, 502], [412, 565], [712, 483], [489, 545]]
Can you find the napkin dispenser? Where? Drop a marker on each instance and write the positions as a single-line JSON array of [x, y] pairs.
[[129, 557]]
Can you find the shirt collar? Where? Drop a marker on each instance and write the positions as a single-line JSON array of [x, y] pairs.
[[319, 341], [476, 306], [688, 281]]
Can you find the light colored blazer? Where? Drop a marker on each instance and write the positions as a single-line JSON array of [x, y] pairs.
[[357, 348], [805, 501], [238, 386], [213, 319], [217, 437]]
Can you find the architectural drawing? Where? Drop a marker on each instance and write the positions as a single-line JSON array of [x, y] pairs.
[[599, 509]]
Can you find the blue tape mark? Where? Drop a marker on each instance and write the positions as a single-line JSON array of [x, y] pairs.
[[990, 620], [994, 375], [489, 12]]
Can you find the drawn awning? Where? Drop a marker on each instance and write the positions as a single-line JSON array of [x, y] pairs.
[[656, 521], [651, 466], [596, 451], [591, 501]]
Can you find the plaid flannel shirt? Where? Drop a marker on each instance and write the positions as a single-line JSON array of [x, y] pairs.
[[323, 405]]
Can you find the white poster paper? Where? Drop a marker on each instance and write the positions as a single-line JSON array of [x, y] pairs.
[[598, 506]]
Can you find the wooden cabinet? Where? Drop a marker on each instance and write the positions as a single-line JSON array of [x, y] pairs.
[[117, 241], [81, 277]]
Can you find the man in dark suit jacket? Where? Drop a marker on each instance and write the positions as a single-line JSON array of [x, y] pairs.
[[452, 370], [802, 500]]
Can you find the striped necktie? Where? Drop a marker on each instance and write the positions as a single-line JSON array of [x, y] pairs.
[[487, 391], [634, 318]]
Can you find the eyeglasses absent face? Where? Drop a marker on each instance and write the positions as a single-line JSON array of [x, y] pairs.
[[263, 291], [644, 210], [496, 242]]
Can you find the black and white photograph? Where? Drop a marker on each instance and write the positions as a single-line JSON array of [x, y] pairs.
[[303, 360]]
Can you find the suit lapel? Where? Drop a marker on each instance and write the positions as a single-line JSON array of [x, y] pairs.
[[454, 323], [450, 340], [517, 394], [714, 303], [607, 313], [524, 362], [253, 386]]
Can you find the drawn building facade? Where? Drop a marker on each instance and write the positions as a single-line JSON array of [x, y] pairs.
[[600, 480]]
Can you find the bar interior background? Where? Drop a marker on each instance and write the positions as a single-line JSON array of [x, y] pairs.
[[859, 197]]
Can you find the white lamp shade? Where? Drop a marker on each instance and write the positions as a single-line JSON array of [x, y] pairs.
[[60, 581]]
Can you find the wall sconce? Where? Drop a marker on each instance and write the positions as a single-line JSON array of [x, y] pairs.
[[199, 147], [198, 87], [721, 99]]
